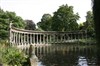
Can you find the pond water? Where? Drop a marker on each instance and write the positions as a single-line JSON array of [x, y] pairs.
[[64, 55]]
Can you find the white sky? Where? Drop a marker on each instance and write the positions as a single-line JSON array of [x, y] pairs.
[[34, 9]]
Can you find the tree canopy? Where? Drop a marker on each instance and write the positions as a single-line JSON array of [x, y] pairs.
[[89, 24], [30, 25], [45, 22], [6, 18], [63, 19]]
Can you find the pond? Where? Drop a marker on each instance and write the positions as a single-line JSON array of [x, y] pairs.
[[64, 55]]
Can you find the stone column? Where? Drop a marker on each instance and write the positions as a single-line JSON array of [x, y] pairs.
[[64, 37], [75, 35], [30, 38], [44, 39], [54, 38], [14, 38], [40, 40], [61, 38], [24, 39], [47, 39], [70, 36], [27, 39], [34, 38], [50, 38], [21, 39], [37, 38]]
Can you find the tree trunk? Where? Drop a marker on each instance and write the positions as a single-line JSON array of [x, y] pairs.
[[96, 12]]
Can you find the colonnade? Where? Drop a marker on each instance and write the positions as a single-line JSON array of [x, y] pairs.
[[27, 37]]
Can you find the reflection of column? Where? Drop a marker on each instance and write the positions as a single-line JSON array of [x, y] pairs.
[[44, 50], [32, 57]]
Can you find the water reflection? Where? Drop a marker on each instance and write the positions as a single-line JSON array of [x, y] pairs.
[[65, 55]]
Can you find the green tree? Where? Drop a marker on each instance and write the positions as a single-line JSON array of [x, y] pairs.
[[6, 18], [64, 19], [30, 25], [45, 22], [89, 24]]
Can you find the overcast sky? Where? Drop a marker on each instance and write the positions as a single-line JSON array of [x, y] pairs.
[[34, 9]]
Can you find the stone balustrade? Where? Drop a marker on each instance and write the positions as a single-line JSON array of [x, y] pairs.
[[27, 37]]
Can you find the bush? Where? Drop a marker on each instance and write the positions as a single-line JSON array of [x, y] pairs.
[[11, 56]]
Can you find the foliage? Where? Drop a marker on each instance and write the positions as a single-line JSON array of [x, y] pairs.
[[65, 19], [89, 24], [11, 56], [45, 22], [30, 25], [6, 18]]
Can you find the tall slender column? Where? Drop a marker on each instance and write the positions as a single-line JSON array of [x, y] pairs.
[[70, 36], [30, 38], [61, 37], [37, 38], [34, 38], [47, 39], [24, 39], [75, 36], [54, 38], [27, 38], [64, 37], [44, 38], [14, 38], [21, 38], [50, 38], [40, 39], [18, 38], [78, 35]]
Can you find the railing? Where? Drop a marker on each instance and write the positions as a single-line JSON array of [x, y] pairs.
[[27, 37]]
